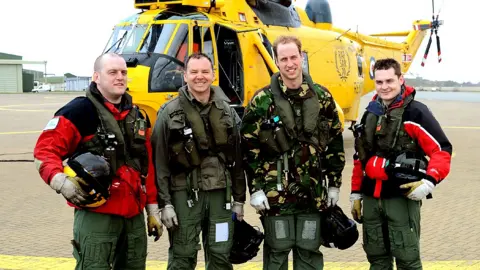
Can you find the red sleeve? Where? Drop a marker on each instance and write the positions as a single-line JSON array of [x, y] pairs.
[[59, 139], [425, 129], [357, 175], [150, 182]]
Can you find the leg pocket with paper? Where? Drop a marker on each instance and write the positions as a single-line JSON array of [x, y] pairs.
[[308, 232], [280, 232], [220, 235]]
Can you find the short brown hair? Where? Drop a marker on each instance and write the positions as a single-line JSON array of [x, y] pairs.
[[285, 40], [386, 64], [197, 55]]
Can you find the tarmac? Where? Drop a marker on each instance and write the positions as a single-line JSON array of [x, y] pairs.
[[36, 223]]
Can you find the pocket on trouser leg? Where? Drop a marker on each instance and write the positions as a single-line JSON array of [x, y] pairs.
[[308, 232], [405, 246], [98, 250], [373, 242], [280, 232], [185, 240], [137, 250], [220, 236]]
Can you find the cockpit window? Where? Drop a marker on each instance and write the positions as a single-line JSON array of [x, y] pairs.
[[179, 46], [117, 38], [125, 39], [134, 38], [157, 38]]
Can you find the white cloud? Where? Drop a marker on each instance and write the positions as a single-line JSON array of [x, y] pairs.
[[70, 34]]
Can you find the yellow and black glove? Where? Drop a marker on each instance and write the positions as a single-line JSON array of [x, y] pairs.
[[356, 206], [155, 227], [418, 190]]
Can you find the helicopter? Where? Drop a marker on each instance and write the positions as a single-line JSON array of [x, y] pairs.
[[237, 35]]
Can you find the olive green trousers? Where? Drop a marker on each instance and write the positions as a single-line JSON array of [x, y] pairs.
[[299, 233], [391, 229], [109, 242], [209, 217]]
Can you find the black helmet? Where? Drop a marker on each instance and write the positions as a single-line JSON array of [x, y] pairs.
[[407, 167], [338, 231], [246, 242], [94, 171]]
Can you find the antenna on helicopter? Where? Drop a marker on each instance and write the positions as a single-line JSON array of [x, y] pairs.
[[435, 24]]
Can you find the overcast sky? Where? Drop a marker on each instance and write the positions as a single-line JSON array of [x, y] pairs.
[[70, 34]]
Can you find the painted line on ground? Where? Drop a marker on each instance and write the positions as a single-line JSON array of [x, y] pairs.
[[20, 132], [30, 104], [455, 127], [41, 263]]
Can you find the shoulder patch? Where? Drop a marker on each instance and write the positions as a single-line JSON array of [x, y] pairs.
[[176, 112], [52, 124]]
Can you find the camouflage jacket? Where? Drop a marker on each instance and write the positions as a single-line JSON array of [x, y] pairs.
[[262, 167]]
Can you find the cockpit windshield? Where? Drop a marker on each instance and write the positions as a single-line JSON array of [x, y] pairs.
[[125, 39], [159, 35]]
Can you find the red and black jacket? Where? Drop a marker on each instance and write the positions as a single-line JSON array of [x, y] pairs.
[[76, 123], [422, 127]]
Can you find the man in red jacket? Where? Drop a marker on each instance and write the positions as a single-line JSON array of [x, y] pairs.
[[104, 123], [391, 174]]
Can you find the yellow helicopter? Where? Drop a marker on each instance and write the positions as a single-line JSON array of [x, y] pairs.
[[238, 34]]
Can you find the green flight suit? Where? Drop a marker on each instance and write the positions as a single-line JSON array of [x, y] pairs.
[[294, 180], [199, 187], [399, 218], [100, 237]]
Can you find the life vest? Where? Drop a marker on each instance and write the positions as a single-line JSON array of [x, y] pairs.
[[122, 142], [294, 120], [198, 142], [384, 135]]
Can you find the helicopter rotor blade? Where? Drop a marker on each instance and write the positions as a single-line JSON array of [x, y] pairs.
[[428, 48], [438, 48]]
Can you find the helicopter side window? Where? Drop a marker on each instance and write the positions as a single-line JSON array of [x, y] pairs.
[[164, 32], [179, 46], [305, 62], [360, 65], [207, 46]]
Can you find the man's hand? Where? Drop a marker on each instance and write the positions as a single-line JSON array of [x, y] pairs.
[[169, 217], [237, 208], [70, 188], [333, 194], [259, 201], [356, 206], [418, 190], [155, 227]]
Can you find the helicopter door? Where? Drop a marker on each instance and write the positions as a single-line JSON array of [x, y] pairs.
[[230, 71], [203, 42]]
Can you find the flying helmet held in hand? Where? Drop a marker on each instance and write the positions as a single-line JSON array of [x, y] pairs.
[[94, 174]]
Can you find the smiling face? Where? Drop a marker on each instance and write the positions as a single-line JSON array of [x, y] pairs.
[[388, 84], [289, 61], [199, 74], [111, 77]]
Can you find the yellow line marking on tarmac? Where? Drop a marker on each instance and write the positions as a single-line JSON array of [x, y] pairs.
[[20, 132], [41, 263], [29, 104], [18, 110], [455, 127]]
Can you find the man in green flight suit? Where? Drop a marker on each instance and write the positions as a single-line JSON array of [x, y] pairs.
[[292, 136], [197, 157]]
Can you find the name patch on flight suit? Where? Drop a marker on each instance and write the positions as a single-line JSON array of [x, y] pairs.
[[52, 124]]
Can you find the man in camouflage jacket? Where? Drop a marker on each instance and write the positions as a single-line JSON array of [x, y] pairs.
[[293, 142]]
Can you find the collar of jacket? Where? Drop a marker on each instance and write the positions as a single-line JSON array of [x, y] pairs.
[[125, 104], [303, 92], [216, 95], [376, 106]]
